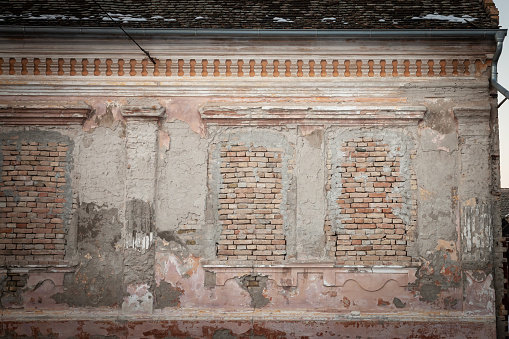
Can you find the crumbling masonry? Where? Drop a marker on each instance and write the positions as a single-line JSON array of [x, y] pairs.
[[265, 190]]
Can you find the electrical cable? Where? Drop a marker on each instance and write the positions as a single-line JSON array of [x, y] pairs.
[[119, 26]]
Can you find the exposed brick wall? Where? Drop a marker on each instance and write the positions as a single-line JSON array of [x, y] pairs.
[[504, 202], [331, 236], [250, 195], [32, 200], [13, 283], [370, 233], [190, 231]]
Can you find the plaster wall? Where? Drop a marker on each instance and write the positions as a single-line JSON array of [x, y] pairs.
[[143, 232]]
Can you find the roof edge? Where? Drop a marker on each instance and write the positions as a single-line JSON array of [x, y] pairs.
[[84, 32], [492, 11]]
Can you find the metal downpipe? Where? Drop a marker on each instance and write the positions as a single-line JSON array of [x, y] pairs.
[[504, 91], [499, 38]]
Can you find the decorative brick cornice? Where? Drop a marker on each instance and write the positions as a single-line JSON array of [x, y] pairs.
[[43, 113], [264, 67]]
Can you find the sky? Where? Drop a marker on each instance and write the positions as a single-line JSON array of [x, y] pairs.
[[503, 79]]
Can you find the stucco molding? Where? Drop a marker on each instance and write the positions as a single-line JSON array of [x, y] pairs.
[[232, 86], [473, 121], [368, 278], [142, 109], [44, 113], [315, 114], [35, 269], [472, 113]]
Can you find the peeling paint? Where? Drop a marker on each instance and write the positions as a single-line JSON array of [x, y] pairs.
[[106, 114], [440, 117], [166, 295], [140, 225], [438, 275], [175, 271], [398, 303], [139, 299], [476, 234], [12, 297], [479, 294], [256, 286], [259, 328], [164, 141], [97, 279], [186, 110], [448, 246], [40, 295]]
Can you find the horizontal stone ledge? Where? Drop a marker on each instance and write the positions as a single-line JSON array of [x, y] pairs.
[[44, 113], [213, 313], [63, 268], [220, 113], [343, 121], [248, 87], [215, 323]]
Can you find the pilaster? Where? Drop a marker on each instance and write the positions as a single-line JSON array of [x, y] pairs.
[[142, 118]]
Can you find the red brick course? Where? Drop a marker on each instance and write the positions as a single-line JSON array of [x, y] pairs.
[[249, 204], [32, 203]]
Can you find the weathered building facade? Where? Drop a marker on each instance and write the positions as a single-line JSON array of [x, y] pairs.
[[279, 183]]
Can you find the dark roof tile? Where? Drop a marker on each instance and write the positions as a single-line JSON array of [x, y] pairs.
[[261, 14]]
